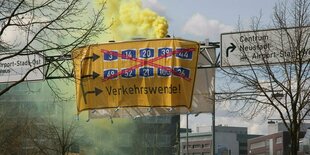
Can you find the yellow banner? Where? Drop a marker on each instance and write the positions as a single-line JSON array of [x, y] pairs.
[[146, 73]]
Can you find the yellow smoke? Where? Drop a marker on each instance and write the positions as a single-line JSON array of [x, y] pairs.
[[130, 20]]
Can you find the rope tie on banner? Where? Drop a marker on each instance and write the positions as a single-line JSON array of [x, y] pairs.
[[170, 109], [149, 109]]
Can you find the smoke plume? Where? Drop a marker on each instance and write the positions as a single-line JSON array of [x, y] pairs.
[[129, 20]]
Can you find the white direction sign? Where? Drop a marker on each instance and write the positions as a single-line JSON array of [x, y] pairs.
[[13, 69], [258, 47]]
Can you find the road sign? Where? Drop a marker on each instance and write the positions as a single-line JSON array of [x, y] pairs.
[[258, 47], [147, 73], [13, 69]]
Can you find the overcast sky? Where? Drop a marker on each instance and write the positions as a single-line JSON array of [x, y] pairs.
[[201, 19]]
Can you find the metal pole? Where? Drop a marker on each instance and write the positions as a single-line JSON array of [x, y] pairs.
[[213, 123], [213, 130], [187, 134]]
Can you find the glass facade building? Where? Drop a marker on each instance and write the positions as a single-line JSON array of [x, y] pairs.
[[40, 118]]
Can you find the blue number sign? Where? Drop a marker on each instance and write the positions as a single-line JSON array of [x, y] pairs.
[[128, 54], [110, 73], [183, 53], [128, 73], [165, 51], [147, 53], [182, 72], [146, 72], [110, 56]]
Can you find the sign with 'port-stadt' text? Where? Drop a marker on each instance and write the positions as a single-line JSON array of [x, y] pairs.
[[145, 73], [16, 67], [260, 47]]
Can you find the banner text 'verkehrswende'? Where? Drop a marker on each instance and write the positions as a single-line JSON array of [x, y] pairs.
[[144, 90]]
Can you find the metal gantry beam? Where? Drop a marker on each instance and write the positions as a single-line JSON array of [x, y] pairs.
[[61, 66], [58, 67]]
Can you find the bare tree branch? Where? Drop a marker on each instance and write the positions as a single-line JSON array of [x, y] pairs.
[[282, 87]]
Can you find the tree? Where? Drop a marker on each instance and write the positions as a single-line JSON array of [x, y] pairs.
[[12, 129], [45, 28], [31, 125], [275, 79], [55, 138]]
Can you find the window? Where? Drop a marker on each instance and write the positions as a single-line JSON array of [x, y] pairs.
[[268, 143], [207, 145], [124, 139], [163, 140], [196, 146], [75, 148], [258, 145], [279, 140], [243, 144]]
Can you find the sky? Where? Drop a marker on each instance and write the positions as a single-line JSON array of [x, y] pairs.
[[207, 19], [201, 19]]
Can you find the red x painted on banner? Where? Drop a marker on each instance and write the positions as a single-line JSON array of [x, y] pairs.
[[149, 62]]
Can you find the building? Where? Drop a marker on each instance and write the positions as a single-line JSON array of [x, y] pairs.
[[304, 145], [277, 144], [198, 143], [277, 141], [33, 121], [275, 127], [156, 135], [228, 141]]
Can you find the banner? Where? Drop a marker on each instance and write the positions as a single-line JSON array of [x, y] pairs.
[[145, 73], [202, 102]]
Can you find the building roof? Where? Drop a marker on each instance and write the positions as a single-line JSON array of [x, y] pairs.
[[183, 135]]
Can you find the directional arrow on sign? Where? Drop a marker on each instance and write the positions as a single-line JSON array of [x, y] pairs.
[[94, 75], [230, 49], [94, 57], [97, 91]]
